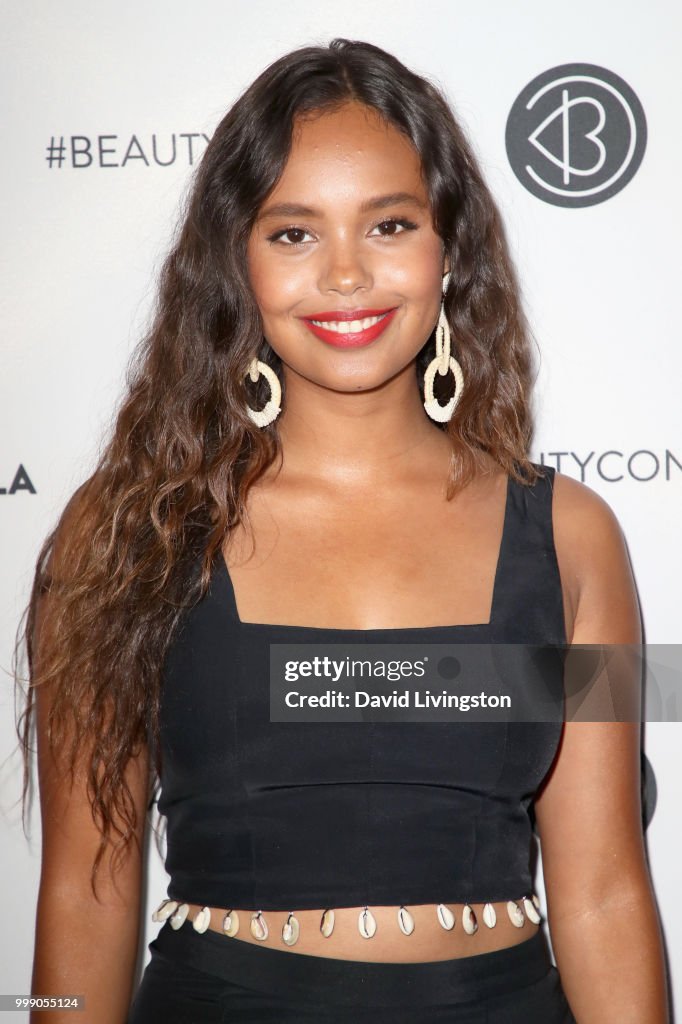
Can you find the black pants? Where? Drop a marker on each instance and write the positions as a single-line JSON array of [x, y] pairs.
[[208, 978]]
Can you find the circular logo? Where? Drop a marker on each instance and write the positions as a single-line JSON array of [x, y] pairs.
[[576, 135], [449, 667]]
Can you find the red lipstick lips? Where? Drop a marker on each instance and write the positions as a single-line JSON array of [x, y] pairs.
[[342, 337]]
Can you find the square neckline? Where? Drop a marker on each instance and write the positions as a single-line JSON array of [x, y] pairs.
[[223, 570]]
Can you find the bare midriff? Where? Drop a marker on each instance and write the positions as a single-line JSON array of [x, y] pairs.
[[428, 941]]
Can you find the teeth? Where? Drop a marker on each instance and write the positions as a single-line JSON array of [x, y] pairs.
[[349, 326]]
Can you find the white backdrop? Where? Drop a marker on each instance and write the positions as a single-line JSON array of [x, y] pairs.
[[82, 242]]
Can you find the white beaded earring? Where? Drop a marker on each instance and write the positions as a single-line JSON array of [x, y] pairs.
[[442, 362], [273, 407]]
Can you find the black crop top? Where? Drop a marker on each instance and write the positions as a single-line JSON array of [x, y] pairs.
[[284, 816]]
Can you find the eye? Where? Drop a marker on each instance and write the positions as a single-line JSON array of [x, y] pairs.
[[392, 223], [279, 236]]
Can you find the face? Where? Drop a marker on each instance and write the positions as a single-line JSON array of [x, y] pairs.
[[346, 239]]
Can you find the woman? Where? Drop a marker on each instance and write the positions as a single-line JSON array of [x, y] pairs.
[[325, 441]]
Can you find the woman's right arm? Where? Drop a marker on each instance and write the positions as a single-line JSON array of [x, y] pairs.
[[83, 946]]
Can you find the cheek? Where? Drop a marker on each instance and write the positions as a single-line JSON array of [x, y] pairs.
[[420, 275], [423, 292], [277, 284]]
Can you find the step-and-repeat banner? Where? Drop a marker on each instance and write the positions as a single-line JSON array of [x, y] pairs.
[[574, 118]]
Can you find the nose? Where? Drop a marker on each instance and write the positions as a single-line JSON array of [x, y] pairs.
[[345, 269]]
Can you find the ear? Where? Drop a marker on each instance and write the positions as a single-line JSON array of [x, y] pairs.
[[447, 268]]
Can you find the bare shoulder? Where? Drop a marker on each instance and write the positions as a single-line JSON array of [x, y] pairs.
[[594, 564], [584, 524]]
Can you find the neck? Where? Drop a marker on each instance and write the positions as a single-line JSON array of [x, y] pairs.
[[353, 438]]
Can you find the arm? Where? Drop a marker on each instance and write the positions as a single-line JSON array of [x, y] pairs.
[[82, 946], [601, 910]]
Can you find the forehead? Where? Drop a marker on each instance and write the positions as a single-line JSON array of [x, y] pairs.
[[347, 152]]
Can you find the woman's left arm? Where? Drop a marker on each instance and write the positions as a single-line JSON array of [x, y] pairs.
[[601, 909]]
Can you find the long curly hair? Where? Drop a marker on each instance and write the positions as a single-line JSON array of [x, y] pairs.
[[136, 543]]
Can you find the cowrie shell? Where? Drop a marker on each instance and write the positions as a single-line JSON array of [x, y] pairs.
[[489, 915], [445, 917], [515, 914], [164, 912], [405, 921], [179, 917], [202, 920], [327, 923], [367, 926], [469, 922], [259, 926], [231, 922], [531, 912], [536, 901], [162, 904], [291, 930]]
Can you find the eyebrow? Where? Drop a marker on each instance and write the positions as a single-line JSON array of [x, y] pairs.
[[375, 203]]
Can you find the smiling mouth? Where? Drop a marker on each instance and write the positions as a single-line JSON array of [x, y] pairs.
[[346, 332], [350, 326]]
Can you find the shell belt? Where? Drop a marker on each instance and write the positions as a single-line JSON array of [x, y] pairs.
[[176, 913]]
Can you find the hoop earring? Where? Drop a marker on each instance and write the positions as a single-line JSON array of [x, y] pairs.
[[442, 362], [273, 407]]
